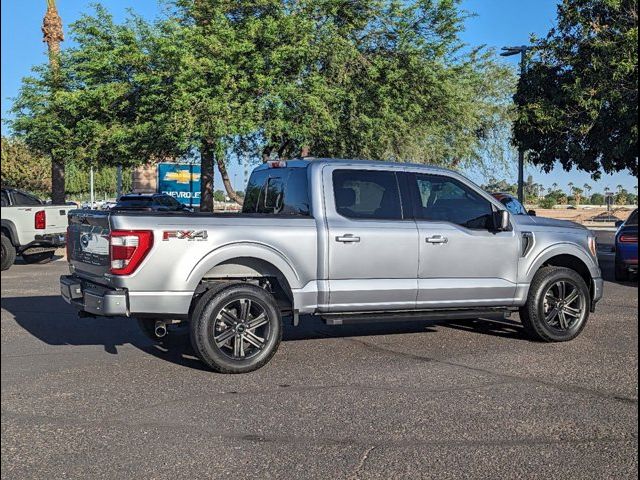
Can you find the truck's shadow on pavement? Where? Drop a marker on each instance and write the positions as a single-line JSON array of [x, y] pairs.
[[54, 322]]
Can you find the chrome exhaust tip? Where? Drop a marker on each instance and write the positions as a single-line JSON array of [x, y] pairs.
[[161, 329]]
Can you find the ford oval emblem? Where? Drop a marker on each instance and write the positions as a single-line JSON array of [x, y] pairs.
[[85, 239]]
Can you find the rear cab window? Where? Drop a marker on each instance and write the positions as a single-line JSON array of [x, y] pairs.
[[22, 199], [278, 191]]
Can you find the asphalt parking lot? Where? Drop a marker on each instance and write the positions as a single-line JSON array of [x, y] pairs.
[[93, 398]]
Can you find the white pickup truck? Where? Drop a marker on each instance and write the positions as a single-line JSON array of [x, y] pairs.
[[30, 227]]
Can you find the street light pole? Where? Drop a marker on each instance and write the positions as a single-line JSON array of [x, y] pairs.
[[507, 52]]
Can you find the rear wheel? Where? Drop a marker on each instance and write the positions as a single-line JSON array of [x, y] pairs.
[[557, 307], [40, 258], [8, 253], [236, 329], [621, 271]]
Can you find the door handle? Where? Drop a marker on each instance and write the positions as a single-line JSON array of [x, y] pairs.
[[437, 239], [347, 238]]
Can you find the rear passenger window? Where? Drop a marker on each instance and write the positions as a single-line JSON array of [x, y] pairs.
[[367, 194]]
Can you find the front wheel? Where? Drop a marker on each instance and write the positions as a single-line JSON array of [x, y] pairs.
[[236, 329], [557, 307]]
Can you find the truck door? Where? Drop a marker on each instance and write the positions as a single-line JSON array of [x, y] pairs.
[[372, 244], [463, 261]]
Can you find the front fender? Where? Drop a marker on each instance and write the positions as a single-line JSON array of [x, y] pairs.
[[244, 250], [560, 249]]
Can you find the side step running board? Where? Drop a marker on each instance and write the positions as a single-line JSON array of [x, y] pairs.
[[460, 314]]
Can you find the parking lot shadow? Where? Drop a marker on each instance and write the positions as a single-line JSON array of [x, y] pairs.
[[54, 322]]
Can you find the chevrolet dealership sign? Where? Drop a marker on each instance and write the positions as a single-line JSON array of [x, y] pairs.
[[181, 181]]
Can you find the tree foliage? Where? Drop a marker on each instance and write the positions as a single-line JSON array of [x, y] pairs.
[[266, 79], [578, 101], [24, 169]]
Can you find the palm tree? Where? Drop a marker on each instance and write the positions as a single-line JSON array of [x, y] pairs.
[[53, 35], [620, 188], [571, 185]]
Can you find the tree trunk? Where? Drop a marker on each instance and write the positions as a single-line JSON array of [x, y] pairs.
[[52, 35], [226, 182], [206, 176], [57, 182], [266, 154]]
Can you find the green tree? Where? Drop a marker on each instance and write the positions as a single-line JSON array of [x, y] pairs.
[[269, 79], [578, 101], [597, 199], [21, 168]]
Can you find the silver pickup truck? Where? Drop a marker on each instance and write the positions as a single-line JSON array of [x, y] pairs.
[[347, 240]]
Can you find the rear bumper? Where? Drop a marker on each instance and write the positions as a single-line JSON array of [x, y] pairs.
[[52, 239], [44, 243], [92, 298]]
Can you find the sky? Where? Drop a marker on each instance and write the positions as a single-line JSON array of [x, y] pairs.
[[496, 23]]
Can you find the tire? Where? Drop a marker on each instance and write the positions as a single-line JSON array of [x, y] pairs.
[[241, 348], [621, 271], [8, 253], [39, 258], [545, 296]]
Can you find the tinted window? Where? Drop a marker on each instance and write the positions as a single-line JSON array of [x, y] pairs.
[[23, 199], [168, 201], [633, 218], [368, 194], [274, 196], [135, 202], [513, 206], [257, 182], [5, 198], [447, 200], [278, 191]]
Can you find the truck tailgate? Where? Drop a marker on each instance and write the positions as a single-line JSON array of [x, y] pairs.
[[88, 243]]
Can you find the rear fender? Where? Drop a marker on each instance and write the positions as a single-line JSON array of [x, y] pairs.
[[247, 250]]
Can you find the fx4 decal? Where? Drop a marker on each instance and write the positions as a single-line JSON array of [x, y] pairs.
[[198, 235]]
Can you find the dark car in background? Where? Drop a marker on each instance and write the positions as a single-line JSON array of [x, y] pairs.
[[513, 204], [156, 202], [627, 247]]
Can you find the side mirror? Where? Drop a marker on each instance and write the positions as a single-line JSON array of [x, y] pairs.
[[501, 221], [619, 223], [531, 213]]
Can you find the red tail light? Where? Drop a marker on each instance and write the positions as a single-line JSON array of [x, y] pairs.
[[41, 220], [127, 249], [628, 239]]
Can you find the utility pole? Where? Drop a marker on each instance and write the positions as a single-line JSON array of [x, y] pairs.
[[522, 51]]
